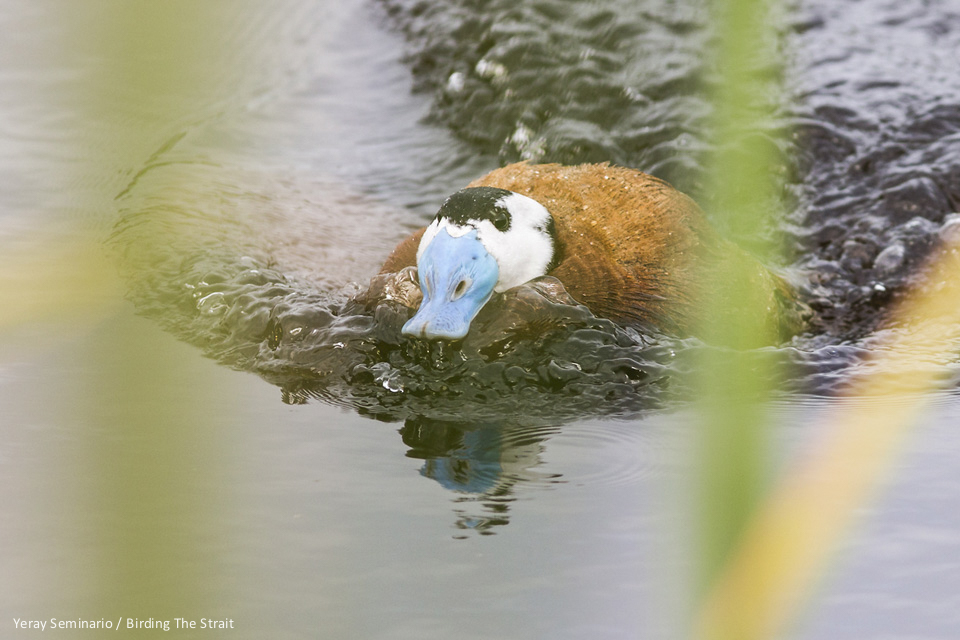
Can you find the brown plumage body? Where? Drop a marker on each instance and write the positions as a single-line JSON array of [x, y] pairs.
[[631, 247]]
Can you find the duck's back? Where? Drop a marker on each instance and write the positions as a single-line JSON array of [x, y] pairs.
[[629, 243]]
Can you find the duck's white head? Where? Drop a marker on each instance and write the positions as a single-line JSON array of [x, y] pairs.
[[483, 240]]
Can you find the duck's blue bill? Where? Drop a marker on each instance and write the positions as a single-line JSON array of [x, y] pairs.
[[457, 276]]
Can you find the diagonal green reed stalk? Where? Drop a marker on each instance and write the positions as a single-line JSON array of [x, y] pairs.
[[787, 543]]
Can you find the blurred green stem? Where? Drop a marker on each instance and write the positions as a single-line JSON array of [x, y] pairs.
[[731, 458]]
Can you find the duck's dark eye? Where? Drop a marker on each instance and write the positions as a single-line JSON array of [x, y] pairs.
[[460, 289], [501, 220]]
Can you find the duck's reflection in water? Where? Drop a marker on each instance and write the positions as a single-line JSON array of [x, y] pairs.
[[477, 412], [481, 462]]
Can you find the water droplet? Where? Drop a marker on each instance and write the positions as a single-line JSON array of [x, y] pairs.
[[212, 304], [455, 82]]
